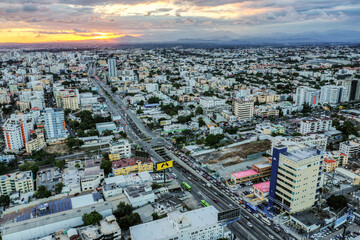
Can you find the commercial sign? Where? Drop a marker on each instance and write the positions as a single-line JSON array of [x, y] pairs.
[[165, 122], [343, 219], [164, 165]]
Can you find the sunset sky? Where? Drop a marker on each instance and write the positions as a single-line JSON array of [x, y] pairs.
[[31, 21]]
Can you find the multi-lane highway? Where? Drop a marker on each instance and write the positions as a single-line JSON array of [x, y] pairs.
[[138, 132]]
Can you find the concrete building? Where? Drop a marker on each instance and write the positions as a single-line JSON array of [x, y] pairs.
[[295, 179], [351, 147], [312, 125], [16, 133], [112, 67], [91, 178], [35, 143], [197, 224], [55, 123], [16, 182], [351, 87], [39, 227], [101, 127], [307, 95], [243, 109], [331, 94], [114, 185], [139, 195], [126, 166], [119, 149], [330, 164]]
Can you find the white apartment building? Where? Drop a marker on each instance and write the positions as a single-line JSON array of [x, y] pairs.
[[17, 132], [139, 195], [351, 147], [201, 223], [312, 125], [243, 109], [331, 94], [91, 178], [15, 182], [152, 87], [307, 95], [122, 147], [211, 102]]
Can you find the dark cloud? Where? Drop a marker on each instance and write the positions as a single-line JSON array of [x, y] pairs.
[[80, 30], [30, 8]]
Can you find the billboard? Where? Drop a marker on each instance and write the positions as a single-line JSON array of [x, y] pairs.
[[164, 165], [343, 219], [229, 215]]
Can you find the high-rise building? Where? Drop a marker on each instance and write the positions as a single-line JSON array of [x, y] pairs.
[[295, 178], [331, 94], [351, 86], [16, 132], [55, 123], [112, 67], [307, 95], [243, 108]]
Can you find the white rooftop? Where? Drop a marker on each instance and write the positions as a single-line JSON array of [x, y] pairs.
[[166, 227]]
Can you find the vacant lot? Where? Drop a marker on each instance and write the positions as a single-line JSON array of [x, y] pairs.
[[235, 155]]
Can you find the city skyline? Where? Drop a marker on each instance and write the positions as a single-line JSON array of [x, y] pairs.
[[38, 21]]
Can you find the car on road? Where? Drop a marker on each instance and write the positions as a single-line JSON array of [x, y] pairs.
[[271, 236], [215, 200], [249, 224], [286, 231], [247, 217]]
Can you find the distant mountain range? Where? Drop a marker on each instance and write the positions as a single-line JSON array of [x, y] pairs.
[[328, 37]]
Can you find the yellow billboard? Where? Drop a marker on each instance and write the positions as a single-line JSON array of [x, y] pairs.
[[164, 165]]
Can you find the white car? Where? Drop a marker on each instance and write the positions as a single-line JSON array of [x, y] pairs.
[[286, 231], [249, 224]]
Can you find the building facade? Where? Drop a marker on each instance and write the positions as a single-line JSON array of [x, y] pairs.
[[295, 179], [55, 123], [243, 109], [16, 182]]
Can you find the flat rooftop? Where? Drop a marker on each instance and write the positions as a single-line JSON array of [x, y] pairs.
[[301, 154], [263, 187], [163, 228], [245, 173]]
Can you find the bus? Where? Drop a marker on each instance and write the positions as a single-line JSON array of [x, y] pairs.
[[252, 208], [186, 186], [204, 203], [266, 221]]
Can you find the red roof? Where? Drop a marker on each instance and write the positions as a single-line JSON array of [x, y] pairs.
[[263, 187], [126, 162], [329, 161], [245, 173]]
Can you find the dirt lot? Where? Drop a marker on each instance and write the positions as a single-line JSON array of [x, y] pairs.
[[58, 148], [236, 154]]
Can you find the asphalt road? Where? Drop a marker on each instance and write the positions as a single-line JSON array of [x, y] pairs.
[[135, 127]]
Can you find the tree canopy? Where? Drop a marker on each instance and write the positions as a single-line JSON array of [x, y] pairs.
[[42, 192], [92, 218], [337, 202]]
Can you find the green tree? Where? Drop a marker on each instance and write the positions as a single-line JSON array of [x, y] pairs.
[[139, 111], [155, 216], [4, 200], [74, 143], [199, 110], [337, 202], [296, 134], [107, 132], [201, 122], [213, 139], [92, 218], [113, 89], [153, 99], [59, 187], [106, 165], [123, 209], [42, 192], [60, 164], [306, 109]]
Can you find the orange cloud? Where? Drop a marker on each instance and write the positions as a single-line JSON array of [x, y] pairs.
[[40, 36]]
